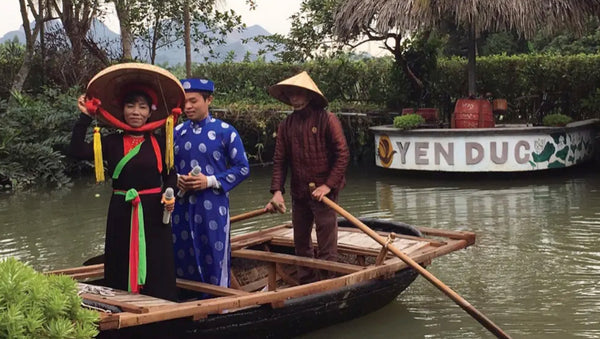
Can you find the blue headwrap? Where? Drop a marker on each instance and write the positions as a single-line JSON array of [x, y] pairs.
[[198, 85]]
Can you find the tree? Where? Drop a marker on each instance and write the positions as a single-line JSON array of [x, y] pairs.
[[475, 16], [155, 24], [124, 10], [313, 35], [567, 43], [77, 17], [187, 39], [31, 34]]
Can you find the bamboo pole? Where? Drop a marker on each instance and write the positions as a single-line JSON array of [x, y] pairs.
[[460, 301], [247, 215], [254, 213]]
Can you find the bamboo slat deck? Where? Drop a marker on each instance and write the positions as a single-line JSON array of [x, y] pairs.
[[350, 238], [277, 286]]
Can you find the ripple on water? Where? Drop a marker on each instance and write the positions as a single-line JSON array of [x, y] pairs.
[[533, 270]]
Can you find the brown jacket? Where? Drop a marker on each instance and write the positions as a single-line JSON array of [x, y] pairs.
[[312, 143]]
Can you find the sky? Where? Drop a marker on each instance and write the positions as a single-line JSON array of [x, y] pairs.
[[272, 15]]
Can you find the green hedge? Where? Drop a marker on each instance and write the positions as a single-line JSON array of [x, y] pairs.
[[571, 82], [347, 81], [367, 84], [39, 127]]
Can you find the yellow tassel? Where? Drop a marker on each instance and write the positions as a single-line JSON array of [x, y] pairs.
[[169, 156], [98, 162]]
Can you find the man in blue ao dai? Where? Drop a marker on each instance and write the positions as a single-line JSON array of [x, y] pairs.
[[201, 216]]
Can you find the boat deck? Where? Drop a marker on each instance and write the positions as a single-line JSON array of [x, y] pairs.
[[363, 259]]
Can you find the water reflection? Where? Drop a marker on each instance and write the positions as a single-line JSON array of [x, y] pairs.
[[534, 269], [54, 229]]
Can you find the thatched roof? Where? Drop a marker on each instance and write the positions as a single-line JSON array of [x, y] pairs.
[[525, 16]]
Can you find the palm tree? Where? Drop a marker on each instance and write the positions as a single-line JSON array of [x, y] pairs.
[[526, 17]]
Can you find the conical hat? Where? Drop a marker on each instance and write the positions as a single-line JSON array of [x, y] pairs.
[[112, 84], [302, 80]]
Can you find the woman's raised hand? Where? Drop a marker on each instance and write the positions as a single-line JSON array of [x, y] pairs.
[[81, 104]]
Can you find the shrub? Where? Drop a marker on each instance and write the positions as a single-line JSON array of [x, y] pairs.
[[11, 58], [408, 121], [556, 120], [34, 305], [34, 137]]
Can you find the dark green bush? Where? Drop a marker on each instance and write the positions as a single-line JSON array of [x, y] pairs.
[[556, 120], [408, 121], [34, 136]]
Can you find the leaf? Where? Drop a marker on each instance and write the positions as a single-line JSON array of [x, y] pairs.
[[545, 154]]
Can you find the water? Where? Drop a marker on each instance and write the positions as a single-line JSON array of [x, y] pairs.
[[534, 270]]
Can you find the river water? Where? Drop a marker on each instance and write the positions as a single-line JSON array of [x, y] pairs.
[[534, 269]]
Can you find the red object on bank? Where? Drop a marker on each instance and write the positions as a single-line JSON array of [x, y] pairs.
[[473, 113], [431, 115]]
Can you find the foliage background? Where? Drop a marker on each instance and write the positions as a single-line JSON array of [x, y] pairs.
[[37, 125]]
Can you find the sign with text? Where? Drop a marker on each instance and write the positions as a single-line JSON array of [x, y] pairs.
[[481, 152]]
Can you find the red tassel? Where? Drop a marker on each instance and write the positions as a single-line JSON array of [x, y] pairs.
[[176, 113], [92, 105]]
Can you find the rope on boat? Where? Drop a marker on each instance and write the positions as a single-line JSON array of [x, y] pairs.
[[384, 249], [97, 305], [98, 290]]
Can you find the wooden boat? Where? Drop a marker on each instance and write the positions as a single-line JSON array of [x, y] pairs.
[[265, 300]]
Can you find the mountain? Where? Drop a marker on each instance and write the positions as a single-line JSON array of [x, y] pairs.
[[235, 43], [20, 35], [238, 43]]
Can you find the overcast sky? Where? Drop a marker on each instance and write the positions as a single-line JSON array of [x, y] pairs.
[[272, 15]]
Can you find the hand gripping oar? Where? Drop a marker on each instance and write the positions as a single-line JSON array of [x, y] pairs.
[[465, 305], [99, 259]]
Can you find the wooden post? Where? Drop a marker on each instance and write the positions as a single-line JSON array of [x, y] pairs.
[[384, 249], [272, 284]]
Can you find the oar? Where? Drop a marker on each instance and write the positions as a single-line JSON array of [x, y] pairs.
[[99, 259], [247, 215], [255, 213], [465, 305]]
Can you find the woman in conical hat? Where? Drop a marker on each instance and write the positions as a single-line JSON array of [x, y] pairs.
[[311, 142], [136, 99]]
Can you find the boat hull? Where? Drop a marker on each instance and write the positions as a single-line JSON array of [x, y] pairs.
[[481, 150], [305, 314], [295, 316], [265, 299]]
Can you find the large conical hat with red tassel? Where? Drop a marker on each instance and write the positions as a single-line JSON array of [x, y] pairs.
[[107, 89]]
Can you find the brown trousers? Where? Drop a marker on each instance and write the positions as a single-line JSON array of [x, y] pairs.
[[304, 214]]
